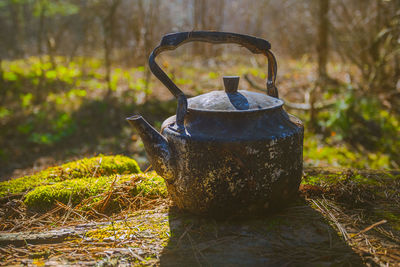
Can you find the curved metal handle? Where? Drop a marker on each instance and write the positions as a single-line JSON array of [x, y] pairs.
[[174, 40]]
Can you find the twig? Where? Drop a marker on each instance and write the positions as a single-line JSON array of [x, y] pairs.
[[63, 206], [10, 197], [387, 234], [26, 223], [109, 193], [183, 235], [95, 171], [136, 255], [333, 218], [148, 168], [369, 228], [195, 250], [99, 214], [69, 205]]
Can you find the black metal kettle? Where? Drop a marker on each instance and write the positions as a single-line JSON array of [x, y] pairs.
[[231, 152]]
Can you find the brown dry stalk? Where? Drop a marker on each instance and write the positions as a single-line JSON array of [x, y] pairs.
[[97, 167], [136, 255], [330, 215], [183, 235], [69, 209], [30, 222], [148, 168], [109, 193], [369, 228]]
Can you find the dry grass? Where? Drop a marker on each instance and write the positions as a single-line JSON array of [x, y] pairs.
[[344, 223]]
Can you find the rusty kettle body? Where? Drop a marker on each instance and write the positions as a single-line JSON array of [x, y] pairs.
[[231, 152]]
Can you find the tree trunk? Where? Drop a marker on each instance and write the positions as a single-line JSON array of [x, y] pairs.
[[323, 45], [108, 43], [41, 28], [199, 23], [16, 35], [322, 52], [151, 22], [3, 91]]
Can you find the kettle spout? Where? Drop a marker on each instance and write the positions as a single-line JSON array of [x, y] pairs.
[[156, 146]]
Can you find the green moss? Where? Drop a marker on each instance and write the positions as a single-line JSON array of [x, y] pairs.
[[82, 180], [363, 180], [78, 190], [336, 177], [80, 169], [45, 196], [151, 226], [151, 185], [323, 179]]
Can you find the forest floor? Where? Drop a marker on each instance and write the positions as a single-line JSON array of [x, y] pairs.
[[341, 217]]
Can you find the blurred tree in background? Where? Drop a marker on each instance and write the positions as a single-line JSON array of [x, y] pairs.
[[72, 69]]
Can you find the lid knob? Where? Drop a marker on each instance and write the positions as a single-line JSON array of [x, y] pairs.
[[231, 83]]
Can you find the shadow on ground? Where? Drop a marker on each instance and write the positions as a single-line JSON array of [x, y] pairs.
[[298, 236]]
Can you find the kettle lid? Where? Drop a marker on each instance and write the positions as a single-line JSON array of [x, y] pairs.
[[233, 99]]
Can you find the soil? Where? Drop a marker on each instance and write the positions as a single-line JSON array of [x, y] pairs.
[[320, 228]]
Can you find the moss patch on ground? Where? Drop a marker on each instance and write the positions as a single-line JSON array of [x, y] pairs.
[[87, 192], [332, 177], [81, 169], [150, 185], [70, 191], [88, 182]]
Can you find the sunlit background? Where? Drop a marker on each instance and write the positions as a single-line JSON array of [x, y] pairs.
[[72, 70]]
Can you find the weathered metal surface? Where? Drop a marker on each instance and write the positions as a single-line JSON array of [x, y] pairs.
[[227, 153], [240, 163]]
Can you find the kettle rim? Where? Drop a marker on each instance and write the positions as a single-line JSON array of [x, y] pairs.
[[238, 101], [277, 106]]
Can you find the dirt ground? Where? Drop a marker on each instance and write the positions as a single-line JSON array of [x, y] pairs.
[[325, 226]]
